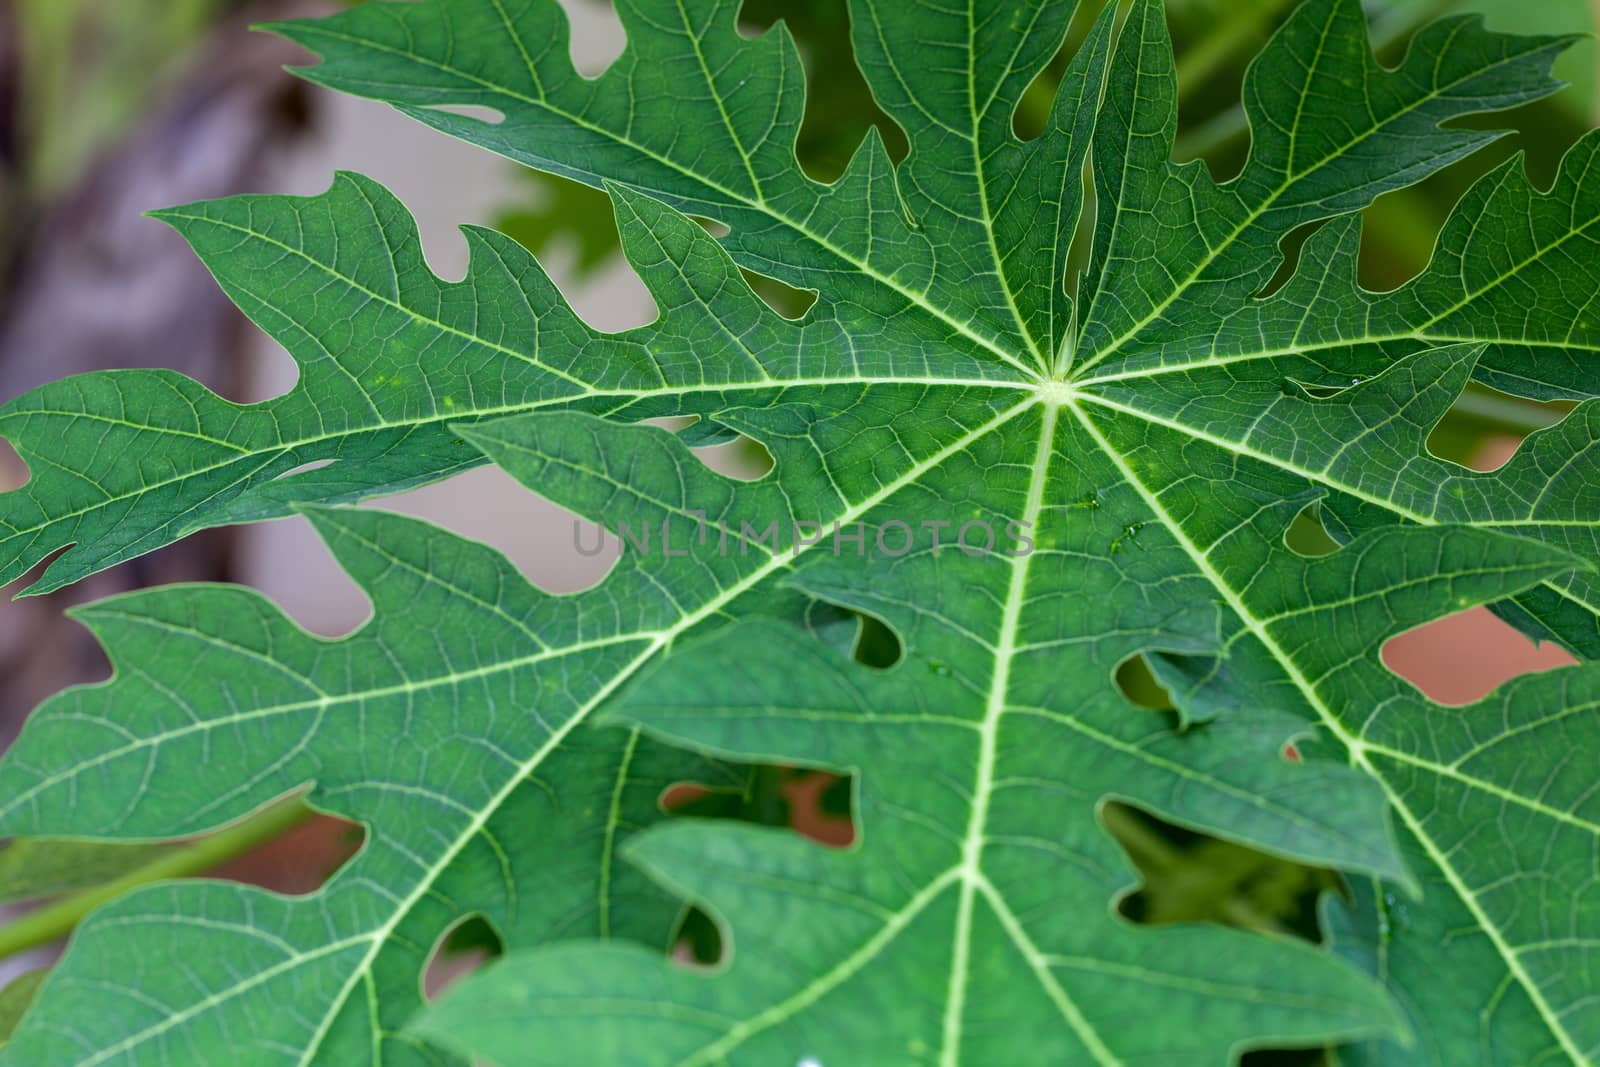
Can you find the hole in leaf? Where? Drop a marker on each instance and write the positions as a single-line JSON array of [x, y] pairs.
[[14, 472], [1319, 391], [812, 803], [1189, 877], [487, 115], [864, 638], [696, 431], [1289, 248], [1307, 535], [1396, 239], [467, 945], [785, 299], [1295, 1057], [837, 627], [819, 806], [1462, 658], [1400, 228], [304, 468], [719, 230], [682, 796], [698, 941], [876, 645], [733, 454], [815, 804], [1193, 687], [1138, 683]]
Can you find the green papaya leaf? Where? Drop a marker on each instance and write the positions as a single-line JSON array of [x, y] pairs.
[[1028, 478]]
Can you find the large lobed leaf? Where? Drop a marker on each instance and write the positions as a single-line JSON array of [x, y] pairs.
[[1155, 437]]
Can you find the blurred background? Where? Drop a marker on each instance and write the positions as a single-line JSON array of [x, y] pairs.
[[109, 108]]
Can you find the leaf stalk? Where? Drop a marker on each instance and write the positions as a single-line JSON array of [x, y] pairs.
[[61, 917]]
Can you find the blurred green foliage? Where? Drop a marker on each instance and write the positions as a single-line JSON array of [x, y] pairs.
[[87, 70]]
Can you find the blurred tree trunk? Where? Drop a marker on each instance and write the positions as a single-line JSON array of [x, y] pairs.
[[86, 283]]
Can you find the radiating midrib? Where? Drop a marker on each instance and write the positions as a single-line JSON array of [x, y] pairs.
[[967, 875], [1421, 335], [1356, 747], [1325, 478], [976, 833], [736, 198], [1254, 214], [267, 452], [1420, 332], [379, 936]]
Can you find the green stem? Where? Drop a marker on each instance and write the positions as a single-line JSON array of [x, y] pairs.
[[1158, 859], [768, 805], [59, 918], [1244, 29], [1206, 138], [1228, 126], [1151, 852]]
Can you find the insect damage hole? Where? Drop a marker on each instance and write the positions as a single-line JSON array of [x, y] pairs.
[[728, 452], [864, 638], [304, 468], [876, 644], [1308, 535], [781, 297], [1139, 685], [489, 116], [813, 803], [462, 948], [1188, 877]]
